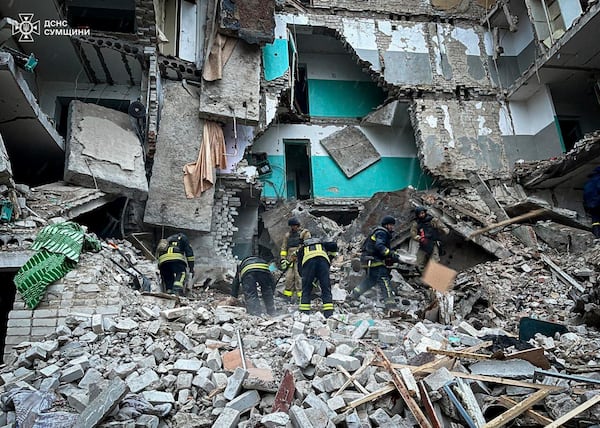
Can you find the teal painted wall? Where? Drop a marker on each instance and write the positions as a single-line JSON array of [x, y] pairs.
[[275, 59], [386, 175], [342, 98]]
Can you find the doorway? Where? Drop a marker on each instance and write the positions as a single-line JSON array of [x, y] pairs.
[[297, 168], [570, 132]]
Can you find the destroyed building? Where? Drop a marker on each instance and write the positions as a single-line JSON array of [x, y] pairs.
[[140, 118]]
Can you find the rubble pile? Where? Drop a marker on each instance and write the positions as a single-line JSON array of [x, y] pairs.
[[201, 361]]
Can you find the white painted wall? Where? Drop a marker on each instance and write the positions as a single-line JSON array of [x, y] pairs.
[[570, 10], [389, 142], [236, 143], [514, 43], [530, 116], [187, 33], [360, 33]]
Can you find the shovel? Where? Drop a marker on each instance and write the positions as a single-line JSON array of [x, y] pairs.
[[146, 283], [135, 280]]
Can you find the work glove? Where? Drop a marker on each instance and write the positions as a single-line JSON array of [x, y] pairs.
[[284, 264], [395, 257]]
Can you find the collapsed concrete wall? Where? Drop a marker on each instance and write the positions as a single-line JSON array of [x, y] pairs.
[[179, 140], [458, 8], [456, 136], [104, 152]]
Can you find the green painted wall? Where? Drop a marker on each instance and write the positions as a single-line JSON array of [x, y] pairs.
[[342, 98], [388, 174]]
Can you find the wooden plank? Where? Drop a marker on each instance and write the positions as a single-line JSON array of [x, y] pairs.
[[354, 381], [484, 378], [536, 416], [372, 396], [459, 354], [436, 364], [577, 410], [568, 279], [518, 409], [516, 219], [404, 393], [428, 405], [366, 363]]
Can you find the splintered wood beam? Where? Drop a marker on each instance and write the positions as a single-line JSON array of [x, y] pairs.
[[577, 410], [366, 363], [404, 393], [433, 417], [354, 381], [459, 354], [536, 416], [519, 408], [435, 364], [512, 220], [370, 397]]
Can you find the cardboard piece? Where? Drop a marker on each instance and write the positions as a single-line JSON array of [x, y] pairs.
[[438, 276]]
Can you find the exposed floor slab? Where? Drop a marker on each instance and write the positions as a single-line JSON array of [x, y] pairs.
[[104, 151]]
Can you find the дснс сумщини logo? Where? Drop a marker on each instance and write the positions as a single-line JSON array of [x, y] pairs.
[[26, 27]]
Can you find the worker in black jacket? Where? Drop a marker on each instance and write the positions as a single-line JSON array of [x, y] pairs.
[[376, 255], [254, 273], [175, 256], [313, 264]]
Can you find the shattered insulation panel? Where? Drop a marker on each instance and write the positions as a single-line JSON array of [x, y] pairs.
[[351, 150]]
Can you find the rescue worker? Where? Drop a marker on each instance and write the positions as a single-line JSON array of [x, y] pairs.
[[289, 247], [591, 200], [427, 230], [252, 274], [175, 256], [376, 255], [313, 263]]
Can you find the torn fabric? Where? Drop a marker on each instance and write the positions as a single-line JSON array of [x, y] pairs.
[[220, 52], [200, 175], [57, 247]]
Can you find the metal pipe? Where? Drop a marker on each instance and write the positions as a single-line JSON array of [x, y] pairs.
[[537, 374]]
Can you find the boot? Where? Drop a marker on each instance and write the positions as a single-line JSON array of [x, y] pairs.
[[596, 230]]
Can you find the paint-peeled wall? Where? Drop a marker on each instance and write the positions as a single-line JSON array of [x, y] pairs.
[[457, 136], [397, 168], [529, 128]]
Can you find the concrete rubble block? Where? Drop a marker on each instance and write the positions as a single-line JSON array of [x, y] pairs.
[[127, 325], [213, 360], [147, 421], [153, 327], [102, 405], [184, 380], [353, 421], [234, 383], [172, 314], [465, 327], [122, 370], [438, 379], [50, 370], [103, 151], [91, 377], [72, 373], [78, 398], [512, 369], [183, 340], [275, 420], [203, 383], [246, 401], [229, 418], [315, 402], [380, 418], [347, 362], [298, 328], [329, 383], [361, 330], [336, 403], [98, 324], [137, 382], [299, 418], [319, 418], [219, 401], [158, 397], [187, 365], [302, 352]]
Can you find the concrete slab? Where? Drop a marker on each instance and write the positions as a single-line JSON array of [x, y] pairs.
[[104, 152], [351, 150], [178, 143]]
